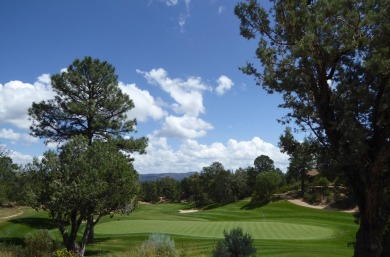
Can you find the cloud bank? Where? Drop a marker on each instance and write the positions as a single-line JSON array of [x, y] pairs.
[[16, 97], [193, 156], [178, 117]]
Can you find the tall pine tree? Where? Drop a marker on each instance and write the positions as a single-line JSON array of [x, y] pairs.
[[330, 60]]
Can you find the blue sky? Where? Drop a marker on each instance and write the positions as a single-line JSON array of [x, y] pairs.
[[177, 59]]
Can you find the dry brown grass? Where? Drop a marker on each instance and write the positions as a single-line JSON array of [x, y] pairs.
[[6, 254], [189, 249]]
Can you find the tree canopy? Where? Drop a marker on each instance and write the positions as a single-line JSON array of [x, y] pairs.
[[88, 102], [8, 178], [330, 61], [82, 182], [302, 156], [263, 163]]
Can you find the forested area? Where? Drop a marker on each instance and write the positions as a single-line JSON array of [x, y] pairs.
[[214, 186]]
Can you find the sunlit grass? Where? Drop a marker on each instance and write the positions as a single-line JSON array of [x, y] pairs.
[[278, 229]]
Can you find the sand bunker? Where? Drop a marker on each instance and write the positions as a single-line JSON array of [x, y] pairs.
[[187, 211]]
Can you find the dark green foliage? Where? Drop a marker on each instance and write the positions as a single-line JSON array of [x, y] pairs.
[[148, 192], [40, 243], [330, 61], [235, 244], [83, 183], [240, 186], [212, 185], [252, 173], [220, 184], [169, 189], [8, 181], [263, 163], [302, 156], [221, 250], [88, 102], [266, 184], [322, 182]]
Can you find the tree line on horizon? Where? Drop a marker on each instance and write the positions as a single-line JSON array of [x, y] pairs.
[[215, 185]]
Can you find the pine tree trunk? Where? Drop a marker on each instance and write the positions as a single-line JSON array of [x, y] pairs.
[[372, 222], [74, 248], [91, 235], [369, 238], [386, 244]]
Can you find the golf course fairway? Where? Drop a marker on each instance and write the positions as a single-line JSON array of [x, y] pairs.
[[258, 230], [279, 229]]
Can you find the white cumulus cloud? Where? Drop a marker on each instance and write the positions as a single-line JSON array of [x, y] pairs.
[[145, 105], [9, 134], [16, 97], [184, 127], [224, 84], [13, 136], [193, 156], [186, 93], [20, 158]]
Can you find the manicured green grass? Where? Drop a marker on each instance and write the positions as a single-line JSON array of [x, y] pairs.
[[328, 232], [214, 229], [279, 228]]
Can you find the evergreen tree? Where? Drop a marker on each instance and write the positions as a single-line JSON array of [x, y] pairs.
[[330, 61]]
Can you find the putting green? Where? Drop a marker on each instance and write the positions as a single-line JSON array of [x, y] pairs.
[[258, 230]]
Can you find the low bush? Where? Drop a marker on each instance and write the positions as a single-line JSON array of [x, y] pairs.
[[235, 244], [186, 249], [40, 244], [160, 245], [64, 253]]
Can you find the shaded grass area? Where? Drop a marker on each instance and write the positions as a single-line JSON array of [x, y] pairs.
[[13, 231], [112, 237]]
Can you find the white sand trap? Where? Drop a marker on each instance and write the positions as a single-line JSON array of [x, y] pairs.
[[323, 207], [187, 211]]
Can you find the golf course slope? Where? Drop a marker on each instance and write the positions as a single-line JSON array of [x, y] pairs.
[[258, 230], [278, 228]]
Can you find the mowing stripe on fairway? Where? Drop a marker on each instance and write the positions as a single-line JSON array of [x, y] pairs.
[[258, 230]]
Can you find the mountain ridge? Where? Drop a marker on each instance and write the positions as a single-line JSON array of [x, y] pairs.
[[157, 176]]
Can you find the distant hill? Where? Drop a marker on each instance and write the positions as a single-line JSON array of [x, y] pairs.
[[153, 177]]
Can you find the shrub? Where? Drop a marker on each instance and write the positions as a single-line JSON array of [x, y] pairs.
[[221, 250], [266, 184], [159, 245], [40, 243], [63, 253], [6, 254], [11, 251], [185, 249], [323, 182], [313, 198], [235, 244]]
